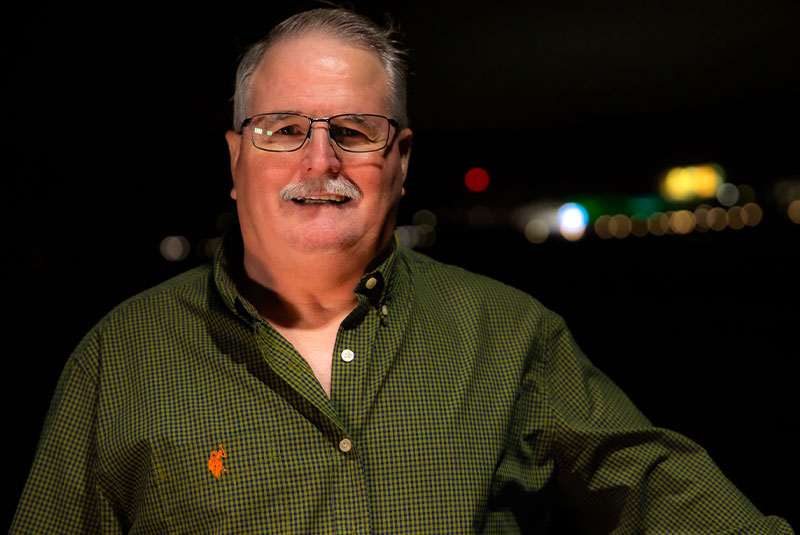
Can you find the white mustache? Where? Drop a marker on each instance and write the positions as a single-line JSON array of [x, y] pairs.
[[316, 186]]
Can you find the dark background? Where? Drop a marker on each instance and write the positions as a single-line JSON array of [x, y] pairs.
[[114, 120]]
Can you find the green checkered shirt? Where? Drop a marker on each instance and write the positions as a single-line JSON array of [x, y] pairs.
[[458, 405]]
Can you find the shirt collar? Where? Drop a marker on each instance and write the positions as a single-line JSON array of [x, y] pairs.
[[375, 287]]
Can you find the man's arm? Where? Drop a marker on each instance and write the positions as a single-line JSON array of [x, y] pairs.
[[61, 494], [622, 474]]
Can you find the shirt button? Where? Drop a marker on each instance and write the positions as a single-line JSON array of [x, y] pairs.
[[348, 355], [371, 283], [345, 445]]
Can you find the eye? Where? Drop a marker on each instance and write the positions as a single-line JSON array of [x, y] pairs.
[[340, 132], [272, 126], [289, 130], [286, 130]]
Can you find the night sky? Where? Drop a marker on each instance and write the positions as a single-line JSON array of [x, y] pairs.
[[115, 121]]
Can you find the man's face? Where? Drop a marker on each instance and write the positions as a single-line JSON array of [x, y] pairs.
[[317, 76]]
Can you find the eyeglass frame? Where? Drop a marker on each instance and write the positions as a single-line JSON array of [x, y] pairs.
[[312, 120]]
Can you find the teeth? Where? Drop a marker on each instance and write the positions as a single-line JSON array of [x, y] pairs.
[[323, 198]]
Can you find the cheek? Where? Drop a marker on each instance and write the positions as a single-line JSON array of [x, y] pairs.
[[375, 176], [258, 174]]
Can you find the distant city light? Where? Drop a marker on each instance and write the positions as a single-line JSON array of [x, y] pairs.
[[682, 222], [413, 236], [794, 212], [638, 226], [754, 214], [727, 194], [424, 217], [701, 217], [686, 183], [601, 227], [537, 231], [572, 220], [737, 217], [746, 194], [477, 179], [717, 218], [620, 226], [729, 207], [174, 248]]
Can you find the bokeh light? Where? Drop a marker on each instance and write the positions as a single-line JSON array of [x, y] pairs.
[[754, 214], [746, 194], [174, 248], [685, 183], [207, 247], [413, 236], [572, 220], [701, 217], [477, 179], [601, 226], [658, 224], [682, 222], [620, 226], [717, 218], [424, 217], [737, 217], [639, 226], [727, 194], [537, 230], [794, 212]]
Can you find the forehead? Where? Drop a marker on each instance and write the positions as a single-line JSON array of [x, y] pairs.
[[319, 74]]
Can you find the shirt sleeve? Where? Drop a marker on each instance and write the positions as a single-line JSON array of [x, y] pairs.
[[61, 494], [623, 475]]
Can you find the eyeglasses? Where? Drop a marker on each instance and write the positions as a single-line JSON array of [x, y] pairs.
[[352, 132]]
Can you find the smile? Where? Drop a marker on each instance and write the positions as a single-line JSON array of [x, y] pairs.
[[321, 199]]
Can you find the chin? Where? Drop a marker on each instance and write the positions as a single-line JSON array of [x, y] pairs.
[[323, 241]]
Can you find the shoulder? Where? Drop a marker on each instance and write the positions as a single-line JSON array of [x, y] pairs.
[[157, 308], [468, 292], [189, 289]]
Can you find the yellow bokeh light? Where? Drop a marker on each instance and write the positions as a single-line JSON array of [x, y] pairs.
[[754, 214], [794, 212], [682, 222], [638, 226], [701, 218], [706, 180], [537, 231], [718, 218], [658, 224], [620, 226], [685, 183], [601, 226], [737, 217]]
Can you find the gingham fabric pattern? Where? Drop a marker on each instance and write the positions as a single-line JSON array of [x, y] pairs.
[[458, 405]]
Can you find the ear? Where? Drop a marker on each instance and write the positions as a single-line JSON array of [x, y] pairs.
[[234, 146], [404, 139]]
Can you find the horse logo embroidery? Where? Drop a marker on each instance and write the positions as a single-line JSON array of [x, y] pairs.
[[215, 462]]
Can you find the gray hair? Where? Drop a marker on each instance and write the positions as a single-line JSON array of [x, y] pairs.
[[343, 24]]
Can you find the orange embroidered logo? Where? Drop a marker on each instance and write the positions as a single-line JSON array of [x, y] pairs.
[[215, 462]]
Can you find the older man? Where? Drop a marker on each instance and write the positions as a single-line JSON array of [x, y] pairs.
[[317, 378]]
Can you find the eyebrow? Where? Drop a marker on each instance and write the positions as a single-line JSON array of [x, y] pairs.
[[286, 112]]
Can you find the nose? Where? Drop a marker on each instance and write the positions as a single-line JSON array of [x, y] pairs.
[[320, 156]]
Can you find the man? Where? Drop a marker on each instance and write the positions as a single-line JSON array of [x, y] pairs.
[[317, 378]]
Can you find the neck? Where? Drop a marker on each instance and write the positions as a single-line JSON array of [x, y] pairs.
[[301, 290]]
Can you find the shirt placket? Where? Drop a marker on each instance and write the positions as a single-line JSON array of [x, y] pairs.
[[350, 362]]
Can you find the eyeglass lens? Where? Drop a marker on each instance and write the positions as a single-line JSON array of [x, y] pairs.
[[287, 132]]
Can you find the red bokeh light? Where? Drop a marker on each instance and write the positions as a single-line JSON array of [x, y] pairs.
[[476, 179]]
